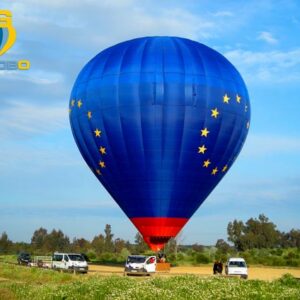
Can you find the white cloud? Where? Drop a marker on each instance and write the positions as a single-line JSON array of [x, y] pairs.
[[223, 13], [20, 119], [273, 66], [107, 22], [35, 158], [261, 145], [39, 77], [267, 37], [268, 191]]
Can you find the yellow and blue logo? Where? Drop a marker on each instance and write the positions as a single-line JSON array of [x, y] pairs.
[[7, 31]]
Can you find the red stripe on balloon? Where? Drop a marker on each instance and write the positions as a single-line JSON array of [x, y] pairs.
[[157, 231]]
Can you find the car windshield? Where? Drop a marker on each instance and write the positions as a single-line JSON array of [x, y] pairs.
[[76, 257], [24, 255], [136, 259], [238, 264]]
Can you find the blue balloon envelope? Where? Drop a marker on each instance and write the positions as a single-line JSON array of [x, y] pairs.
[[160, 121]]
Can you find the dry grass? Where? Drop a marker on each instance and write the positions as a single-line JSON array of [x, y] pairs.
[[36, 284], [255, 272]]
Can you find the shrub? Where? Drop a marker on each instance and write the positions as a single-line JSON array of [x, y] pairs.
[[91, 254], [289, 280], [292, 262], [201, 258], [278, 261]]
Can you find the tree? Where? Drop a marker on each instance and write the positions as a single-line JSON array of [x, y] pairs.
[[5, 243], [140, 245], [119, 244], [198, 248], [57, 241], [108, 239], [38, 238], [172, 246], [98, 244], [294, 237], [261, 233], [80, 245], [235, 231], [255, 233], [290, 239], [222, 246]]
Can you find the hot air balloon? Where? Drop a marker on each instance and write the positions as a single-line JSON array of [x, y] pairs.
[[159, 121]]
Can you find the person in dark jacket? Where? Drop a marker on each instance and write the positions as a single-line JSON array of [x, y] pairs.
[[215, 267], [220, 267]]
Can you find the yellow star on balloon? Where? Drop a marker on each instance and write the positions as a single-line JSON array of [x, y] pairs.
[[79, 103], [202, 149], [98, 172], [97, 132], [238, 99], [226, 99], [214, 171], [72, 102], [214, 113], [206, 163], [204, 132], [224, 168], [89, 114], [102, 150], [102, 164]]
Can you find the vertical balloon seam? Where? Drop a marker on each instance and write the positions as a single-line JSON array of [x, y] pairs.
[[80, 116], [79, 137], [140, 103], [143, 57], [124, 129], [142, 112], [230, 142], [223, 88], [162, 126], [108, 59], [94, 142], [92, 68], [195, 53], [224, 111], [175, 42], [238, 118], [239, 145], [112, 154], [205, 76], [82, 133], [235, 139]]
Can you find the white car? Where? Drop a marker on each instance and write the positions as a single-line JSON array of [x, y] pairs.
[[140, 264], [236, 266], [69, 261]]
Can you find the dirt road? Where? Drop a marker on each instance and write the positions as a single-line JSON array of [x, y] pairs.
[[263, 273]]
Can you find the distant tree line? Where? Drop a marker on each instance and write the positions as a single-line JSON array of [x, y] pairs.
[[260, 233], [249, 238], [102, 246]]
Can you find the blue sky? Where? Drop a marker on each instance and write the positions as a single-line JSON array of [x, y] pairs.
[[43, 179]]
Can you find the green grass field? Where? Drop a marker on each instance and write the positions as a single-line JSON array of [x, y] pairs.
[[30, 283]]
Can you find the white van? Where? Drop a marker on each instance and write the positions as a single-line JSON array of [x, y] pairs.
[[236, 266], [69, 261], [140, 264]]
